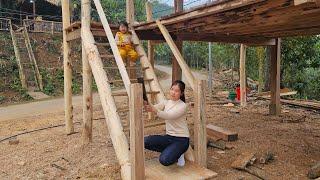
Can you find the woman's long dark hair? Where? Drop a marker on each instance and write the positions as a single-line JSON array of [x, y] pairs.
[[182, 87]]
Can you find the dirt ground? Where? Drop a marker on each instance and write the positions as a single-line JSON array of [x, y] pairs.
[[293, 138]]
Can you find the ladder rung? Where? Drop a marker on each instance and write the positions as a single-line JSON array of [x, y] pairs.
[[131, 67], [101, 44], [132, 80], [107, 56], [125, 93]]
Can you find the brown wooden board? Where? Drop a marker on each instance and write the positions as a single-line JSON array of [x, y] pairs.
[[218, 132], [156, 171]]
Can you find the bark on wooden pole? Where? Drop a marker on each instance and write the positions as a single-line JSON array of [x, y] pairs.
[[176, 69], [115, 128], [136, 133], [243, 91], [130, 11], [67, 68], [200, 133], [87, 76], [275, 106]]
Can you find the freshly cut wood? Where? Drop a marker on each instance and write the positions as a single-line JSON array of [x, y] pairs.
[[215, 131], [242, 160], [243, 87], [156, 171], [283, 92], [314, 172], [115, 128], [125, 93]]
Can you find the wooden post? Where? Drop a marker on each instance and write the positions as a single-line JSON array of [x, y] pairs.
[[150, 52], [52, 28], [87, 76], [136, 133], [275, 106], [67, 68], [200, 132], [186, 70], [210, 69], [243, 91], [130, 11], [113, 121], [176, 69]]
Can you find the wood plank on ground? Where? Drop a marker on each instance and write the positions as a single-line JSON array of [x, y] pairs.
[[156, 171], [218, 132]]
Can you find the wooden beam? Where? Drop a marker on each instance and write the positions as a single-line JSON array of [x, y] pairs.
[[221, 133], [177, 54], [67, 69], [176, 69], [136, 133], [275, 106], [113, 121], [87, 107], [112, 42], [243, 88], [299, 2], [200, 133]]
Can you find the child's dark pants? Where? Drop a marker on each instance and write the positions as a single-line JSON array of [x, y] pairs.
[[171, 147]]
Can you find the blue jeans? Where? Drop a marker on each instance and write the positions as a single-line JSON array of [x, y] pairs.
[[171, 147]]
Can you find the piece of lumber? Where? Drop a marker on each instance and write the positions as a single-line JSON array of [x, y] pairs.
[[67, 67], [113, 121], [125, 93], [176, 69], [185, 69], [191, 171], [299, 2], [136, 133], [132, 80], [112, 42], [243, 87], [87, 108], [215, 131], [275, 105], [200, 133], [242, 160], [283, 92]]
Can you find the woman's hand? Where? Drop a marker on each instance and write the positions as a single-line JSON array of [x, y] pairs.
[[150, 108]]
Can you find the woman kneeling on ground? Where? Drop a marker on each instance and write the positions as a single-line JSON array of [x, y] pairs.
[[175, 143]]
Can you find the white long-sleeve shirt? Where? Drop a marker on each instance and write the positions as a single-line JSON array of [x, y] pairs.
[[175, 114]]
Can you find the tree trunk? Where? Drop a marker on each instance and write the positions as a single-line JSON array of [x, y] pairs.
[[260, 53], [267, 70]]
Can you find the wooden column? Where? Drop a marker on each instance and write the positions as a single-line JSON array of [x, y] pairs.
[[130, 11], [87, 76], [151, 97], [67, 68], [275, 106], [136, 133], [200, 133], [176, 70], [243, 92]]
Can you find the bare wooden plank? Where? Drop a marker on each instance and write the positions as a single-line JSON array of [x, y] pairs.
[[177, 54], [136, 133], [200, 134], [221, 133], [275, 106], [176, 69], [243, 87], [191, 171], [67, 68], [299, 2], [125, 93]]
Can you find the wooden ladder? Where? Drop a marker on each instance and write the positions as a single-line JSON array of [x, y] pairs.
[[28, 69]]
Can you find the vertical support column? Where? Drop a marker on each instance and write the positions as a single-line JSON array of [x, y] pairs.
[[200, 133], [243, 89], [87, 76], [136, 133], [275, 106], [176, 70], [130, 11], [151, 97], [210, 69], [67, 68]]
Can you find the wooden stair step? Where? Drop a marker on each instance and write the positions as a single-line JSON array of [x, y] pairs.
[[132, 80], [101, 44], [125, 93], [131, 67]]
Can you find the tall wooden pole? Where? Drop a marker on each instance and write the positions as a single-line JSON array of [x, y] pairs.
[[136, 133], [275, 106], [67, 68], [176, 70], [200, 133], [130, 11], [243, 91], [34, 9], [87, 75], [210, 70]]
